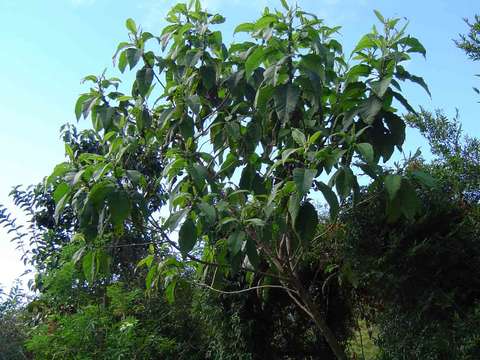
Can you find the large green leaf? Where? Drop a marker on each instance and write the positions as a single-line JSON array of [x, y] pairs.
[[150, 278], [102, 262], [209, 76], [247, 177], [299, 137], [208, 211], [133, 56], [265, 21], [405, 203], [60, 205], [307, 221], [392, 185], [79, 104], [88, 266], [403, 74], [245, 27], [381, 86], [229, 165], [235, 241], [122, 61], [187, 236], [175, 218], [253, 61], [199, 173], [366, 151], [344, 181], [263, 95], [414, 45], [170, 291], [370, 108], [357, 71], [130, 25], [99, 192], [303, 179], [120, 207], [286, 99], [401, 99], [144, 80], [410, 204], [424, 178], [331, 198], [379, 16], [294, 206], [252, 253], [60, 191], [365, 42]]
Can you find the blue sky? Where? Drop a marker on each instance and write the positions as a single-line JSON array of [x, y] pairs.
[[48, 46]]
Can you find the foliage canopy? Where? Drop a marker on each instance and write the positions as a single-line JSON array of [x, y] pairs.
[[233, 142]]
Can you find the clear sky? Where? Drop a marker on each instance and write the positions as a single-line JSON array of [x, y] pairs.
[[48, 46]]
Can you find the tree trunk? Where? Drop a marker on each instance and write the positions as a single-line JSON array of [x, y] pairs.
[[319, 320]]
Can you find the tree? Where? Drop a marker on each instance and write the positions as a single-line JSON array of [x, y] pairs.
[[456, 156], [417, 280], [12, 324], [470, 43], [242, 138]]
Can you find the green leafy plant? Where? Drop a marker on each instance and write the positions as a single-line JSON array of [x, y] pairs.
[[417, 280], [470, 43], [245, 137]]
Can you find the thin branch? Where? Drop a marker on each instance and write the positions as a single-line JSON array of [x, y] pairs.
[[300, 304], [319, 236], [213, 112], [153, 72], [245, 290]]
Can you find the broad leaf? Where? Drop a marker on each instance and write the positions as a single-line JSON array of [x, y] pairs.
[[174, 219], [144, 80], [252, 253], [307, 221], [294, 206], [381, 86], [330, 197], [410, 204], [366, 151], [133, 56], [424, 178], [392, 185], [286, 99], [120, 207], [344, 181], [245, 27], [365, 42], [299, 137], [370, 109], [253, 61], [60, 191], [208, 211], [130, 25], [303, 179], [187, 236], [235, 241], [88, 266]]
